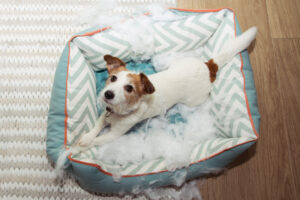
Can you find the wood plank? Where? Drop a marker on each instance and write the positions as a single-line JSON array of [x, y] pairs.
[[185, 4], [284, 17], [263, 171], [287, 59]]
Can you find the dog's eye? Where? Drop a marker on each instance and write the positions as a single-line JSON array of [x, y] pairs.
[[128, 88], [113, 78]]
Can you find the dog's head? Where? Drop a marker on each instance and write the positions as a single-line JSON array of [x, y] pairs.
[[124, 89]]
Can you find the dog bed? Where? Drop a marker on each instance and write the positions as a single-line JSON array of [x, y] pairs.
[[81, 74]]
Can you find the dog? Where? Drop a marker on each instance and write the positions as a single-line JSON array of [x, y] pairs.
[[133, 97]]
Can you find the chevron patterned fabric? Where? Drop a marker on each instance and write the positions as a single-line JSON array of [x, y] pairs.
[[186, 34], [209, 30]]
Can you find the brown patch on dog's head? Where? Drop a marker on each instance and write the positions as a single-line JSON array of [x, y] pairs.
[[141, 86], [114, 64], [213, 69]]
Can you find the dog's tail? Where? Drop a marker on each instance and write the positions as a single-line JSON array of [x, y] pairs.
[[235, 46], [230, 49]]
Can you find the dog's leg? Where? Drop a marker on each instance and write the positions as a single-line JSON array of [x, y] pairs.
[[121, 127], [86, 139]]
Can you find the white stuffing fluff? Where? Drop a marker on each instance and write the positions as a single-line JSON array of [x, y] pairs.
[[159, 139], [139, 35], [188, 191], [60, 164], [105, 13], [100, 14], [133, 25], [138, 29]]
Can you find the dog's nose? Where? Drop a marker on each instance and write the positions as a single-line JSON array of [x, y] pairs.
[[109, 94]]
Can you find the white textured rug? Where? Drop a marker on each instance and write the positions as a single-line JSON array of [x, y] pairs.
[[33, 34]]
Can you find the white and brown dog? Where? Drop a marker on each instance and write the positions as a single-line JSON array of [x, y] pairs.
[[130, 97]]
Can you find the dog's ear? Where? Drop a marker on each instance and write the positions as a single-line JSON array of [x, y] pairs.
[[148, 87], [114, 63]]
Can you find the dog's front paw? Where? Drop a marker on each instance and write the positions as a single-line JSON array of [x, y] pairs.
[[86, 140]]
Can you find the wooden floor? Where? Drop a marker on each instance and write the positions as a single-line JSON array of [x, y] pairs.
[[270, 169]]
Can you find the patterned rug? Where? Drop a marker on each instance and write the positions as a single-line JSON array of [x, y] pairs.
[[33, 34]]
